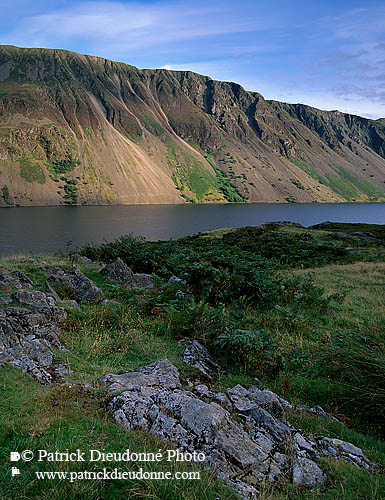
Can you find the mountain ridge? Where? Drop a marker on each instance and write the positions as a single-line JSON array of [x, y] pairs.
[[79, 129]]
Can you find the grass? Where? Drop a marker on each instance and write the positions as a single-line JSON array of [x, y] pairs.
[[322, 309], [343, 183], [190, 176], [31, 171]]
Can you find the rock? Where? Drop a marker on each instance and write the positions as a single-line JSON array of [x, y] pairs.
[[27, 338], [41, 303], [85, 290], [178, 281], [365, 236], [76, 258], [198, 356], [338, 235], [318, 410], [14, 279], [82, 287], [143, 281], [307, 472], [161, 374], [51, 292], [245, 446], [74, 305], [119, 272]]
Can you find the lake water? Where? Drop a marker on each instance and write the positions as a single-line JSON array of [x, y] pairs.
[[49, 229]]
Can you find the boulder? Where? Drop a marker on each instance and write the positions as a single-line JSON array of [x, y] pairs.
[[243, 434], [120, 273], [76, 258], [27, 338], [196, 355], [15, 279], [84, 289]]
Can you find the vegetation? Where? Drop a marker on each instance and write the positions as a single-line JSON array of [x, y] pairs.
[[31, 171], [349, 186], [71, 192], [5, 194], [301, 310], [67, 164]]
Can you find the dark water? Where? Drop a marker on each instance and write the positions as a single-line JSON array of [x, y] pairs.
[[48, 229]]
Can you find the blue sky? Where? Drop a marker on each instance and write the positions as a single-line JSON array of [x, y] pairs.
[[326, 53]]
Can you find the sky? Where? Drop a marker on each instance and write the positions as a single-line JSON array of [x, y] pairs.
[[326, 53]]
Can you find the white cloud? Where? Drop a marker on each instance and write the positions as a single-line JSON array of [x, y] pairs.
[[130, 26]]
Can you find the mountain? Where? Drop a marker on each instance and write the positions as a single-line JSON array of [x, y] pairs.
[[77, 129]]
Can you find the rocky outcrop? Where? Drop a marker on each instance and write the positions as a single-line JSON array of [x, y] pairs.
[[196, 355], [120, 273], [243, 433], [15, 279], [81, 286], [29, 334]]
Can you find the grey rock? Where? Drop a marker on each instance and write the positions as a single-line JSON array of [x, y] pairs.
[[176, 280], [318, 410], [365, 236], [161, 374], [120, 273], [142, 280], [82, 287], [42, 303], [307, 472], [74, 305], [242, 438], [15, 279], [51, 292], [196, 355], [76, 258], [28, 336], [85, 290]]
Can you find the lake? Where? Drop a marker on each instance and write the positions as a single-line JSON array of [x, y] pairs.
[[49, 229]]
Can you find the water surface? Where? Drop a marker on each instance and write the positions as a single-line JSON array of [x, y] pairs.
[[49, 229]]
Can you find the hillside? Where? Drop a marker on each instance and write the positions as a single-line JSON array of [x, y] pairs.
[[78, 129], [260, 347]]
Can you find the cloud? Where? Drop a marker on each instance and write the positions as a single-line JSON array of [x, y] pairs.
[[130, 26]]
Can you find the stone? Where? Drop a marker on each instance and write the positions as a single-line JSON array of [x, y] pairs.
[[178, 281], [196, 355], [42, 303], [28, 336], [84, 289], [76, 258], [15, 279], [161, 374], [119, 272], [142, 280], [244, 438], [51, 292], [307, 472]]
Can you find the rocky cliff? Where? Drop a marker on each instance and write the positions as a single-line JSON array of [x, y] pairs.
[[78, 129]]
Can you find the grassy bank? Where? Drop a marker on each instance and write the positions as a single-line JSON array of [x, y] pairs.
[[300, 310]]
